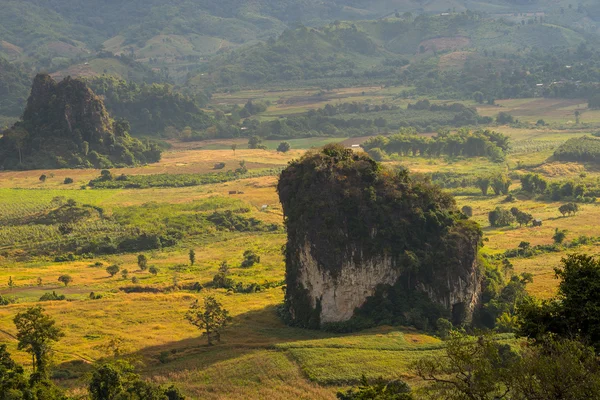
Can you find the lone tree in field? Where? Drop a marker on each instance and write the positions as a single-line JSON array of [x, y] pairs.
[[192, 255], [234, 148], [153, 270], [559, 236], [142, 262], [124, 273], [35, 332], [568, 209], [113, 270], [210, 318], [65, 279], [284, 147], [43, 178], [483, 183]]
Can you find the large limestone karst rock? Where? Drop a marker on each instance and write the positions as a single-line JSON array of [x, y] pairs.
[[65, 124], [362, 237]]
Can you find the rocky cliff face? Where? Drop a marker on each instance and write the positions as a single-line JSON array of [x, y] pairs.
[[362, 238], [67, 108]]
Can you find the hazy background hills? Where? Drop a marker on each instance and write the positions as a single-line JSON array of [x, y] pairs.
[[204, 45]]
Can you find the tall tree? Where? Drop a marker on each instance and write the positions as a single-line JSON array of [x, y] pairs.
[[210, 317], [36, 333]]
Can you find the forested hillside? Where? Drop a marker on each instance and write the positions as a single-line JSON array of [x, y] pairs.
[[14, 88]]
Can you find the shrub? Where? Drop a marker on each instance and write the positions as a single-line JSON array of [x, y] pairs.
[[153, 270], [68, 181], [113, 270], [284, 147], [65, 279], [52, 297], [250, 258]]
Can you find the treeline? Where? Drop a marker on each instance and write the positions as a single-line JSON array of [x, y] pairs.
[[347, 119], [107, 181], [481, 143], [150, 108], [584, 149], [581, 191]]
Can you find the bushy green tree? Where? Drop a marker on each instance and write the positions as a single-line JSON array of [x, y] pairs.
[[377, 390], [210, 317], [36, 332], [284, 147], [250, 258], [113, 270], [575, 311], [500, 217], [65, 279], [142, 262]]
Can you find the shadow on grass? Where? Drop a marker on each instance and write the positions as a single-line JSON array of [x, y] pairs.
[[249, 332]]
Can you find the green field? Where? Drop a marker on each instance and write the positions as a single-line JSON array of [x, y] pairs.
[[259, 356]]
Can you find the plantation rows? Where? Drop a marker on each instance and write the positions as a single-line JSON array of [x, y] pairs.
[[179, 180]]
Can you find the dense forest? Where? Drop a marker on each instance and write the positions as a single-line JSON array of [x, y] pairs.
[[150, 108]]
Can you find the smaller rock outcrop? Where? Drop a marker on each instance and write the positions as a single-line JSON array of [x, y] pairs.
[[366, 242], [66, 125]]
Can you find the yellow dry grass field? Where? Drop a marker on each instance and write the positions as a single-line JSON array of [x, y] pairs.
[[259, 357]]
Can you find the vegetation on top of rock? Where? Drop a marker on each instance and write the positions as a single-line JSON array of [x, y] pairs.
[[66, 125], [349, 209]]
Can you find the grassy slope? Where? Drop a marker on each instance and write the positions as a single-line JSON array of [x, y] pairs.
[[259, 356]]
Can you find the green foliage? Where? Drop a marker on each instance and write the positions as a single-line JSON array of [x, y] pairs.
[[113, 270], [14, 384], [585, 149], [463, 143], [559, 236], [4, 301], [117, 380], [500, 217], [52, 297], [415, 223], [14, 88], [45, 138], [153, 270], [211, 318], [284, 147], [250, 258], [36, 331], [179, 180], [378, 390], [568, 209], [150, 109], [65, 279], [488, 369], [142, 262], [192, 256], [574, 312]]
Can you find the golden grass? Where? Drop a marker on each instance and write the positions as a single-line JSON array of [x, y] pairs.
[[260, 357]]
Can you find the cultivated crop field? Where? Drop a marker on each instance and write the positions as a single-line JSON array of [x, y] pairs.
[[141, 314]]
